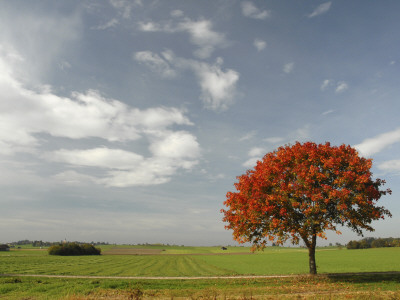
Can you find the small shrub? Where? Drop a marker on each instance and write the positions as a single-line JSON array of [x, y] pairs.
[[71, 249]]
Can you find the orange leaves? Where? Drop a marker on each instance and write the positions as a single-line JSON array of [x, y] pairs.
[[302, 190], [282, 212]]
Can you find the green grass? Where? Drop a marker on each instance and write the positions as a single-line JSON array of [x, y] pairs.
[[380, 286], [118, 265], [295, 261], [362, 260], [205, 250], [203, 261], [180, 249], [272, 261]]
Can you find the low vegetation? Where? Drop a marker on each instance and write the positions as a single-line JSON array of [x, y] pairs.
[[73, 249], [347, 274], [41, 243], [350, 286], [371, 242]]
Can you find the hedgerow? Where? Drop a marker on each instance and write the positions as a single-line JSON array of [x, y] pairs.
[[70, 249]]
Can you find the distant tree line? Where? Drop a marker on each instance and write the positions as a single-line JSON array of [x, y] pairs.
[[48, 244], [371, 242], [72, 249]]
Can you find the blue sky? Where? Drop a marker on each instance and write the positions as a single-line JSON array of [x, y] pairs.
[[128, 121]]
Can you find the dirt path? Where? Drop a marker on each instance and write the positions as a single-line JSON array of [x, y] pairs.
[[148, 277], [190, 277]]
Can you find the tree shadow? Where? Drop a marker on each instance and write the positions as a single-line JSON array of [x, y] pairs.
[[365, 277]]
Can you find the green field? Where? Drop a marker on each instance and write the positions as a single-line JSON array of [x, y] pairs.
[[176, 261]]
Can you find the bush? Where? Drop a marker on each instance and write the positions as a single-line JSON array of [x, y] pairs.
[[73, 249]]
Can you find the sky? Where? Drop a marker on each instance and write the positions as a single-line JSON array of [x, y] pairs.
[[127, 121]]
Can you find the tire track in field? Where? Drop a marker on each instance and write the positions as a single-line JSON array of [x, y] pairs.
[[199, 277], [149, 277]]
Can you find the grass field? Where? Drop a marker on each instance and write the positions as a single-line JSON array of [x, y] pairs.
[[176, 261]]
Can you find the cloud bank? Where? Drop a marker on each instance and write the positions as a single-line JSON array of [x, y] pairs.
[[27, 116]]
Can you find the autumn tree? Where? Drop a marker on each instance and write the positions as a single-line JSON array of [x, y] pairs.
[[300, 191]]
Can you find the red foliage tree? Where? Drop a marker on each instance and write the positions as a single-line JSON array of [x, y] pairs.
[[298, 192]]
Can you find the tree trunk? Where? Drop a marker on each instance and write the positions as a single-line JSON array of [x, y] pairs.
[[311, 258], [311, 255]]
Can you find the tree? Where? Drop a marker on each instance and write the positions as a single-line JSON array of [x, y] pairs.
[[379, 243], [70, 249], [353, 245], [299, 191]]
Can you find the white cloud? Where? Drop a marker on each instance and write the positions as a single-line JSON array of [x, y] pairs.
[[259, 44], [248, 136], [376, 144], [288, 68], [300, 134], [112, 23], [25, 113], [341, 87], [251, 11], [218, 86], [178, 144], [43, 40], [274, 140], [155, 63], [152, 171], [125, 6], [327, 112], [64, 65], [176, 13], [97, 157], [256, 154], [251, 162], [325, 84], [202, 35], [390, 166], [321, 9], [200, 32], [171, 151], [155, 27], [74, 178], [256, 151], [13, 173], [159, 118]]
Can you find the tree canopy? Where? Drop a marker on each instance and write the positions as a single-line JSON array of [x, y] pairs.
[[299, 191], [71, 249]]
